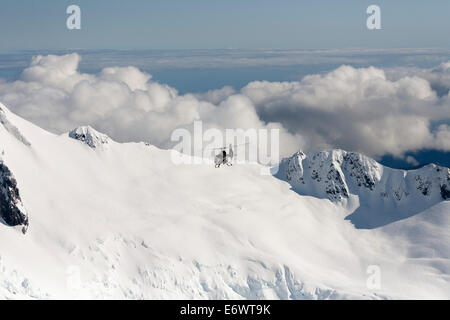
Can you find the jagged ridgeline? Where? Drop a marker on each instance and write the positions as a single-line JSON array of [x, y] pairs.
[[376, 194], [336, 174]]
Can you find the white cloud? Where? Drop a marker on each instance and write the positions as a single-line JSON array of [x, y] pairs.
[[438, 77], [124, 103], [356, 109]]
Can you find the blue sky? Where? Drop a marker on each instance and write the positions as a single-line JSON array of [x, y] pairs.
[[181, 24]]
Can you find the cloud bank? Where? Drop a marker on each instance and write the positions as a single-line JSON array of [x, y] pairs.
[[361, 109]]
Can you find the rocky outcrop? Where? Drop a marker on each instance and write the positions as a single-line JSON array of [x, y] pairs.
[[90, 136], [445, 192], [12, 211]]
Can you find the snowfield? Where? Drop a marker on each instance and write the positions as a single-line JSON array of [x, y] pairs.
[[112, 220]]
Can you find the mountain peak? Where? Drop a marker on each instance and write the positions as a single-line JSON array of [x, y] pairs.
[[343, 177], [327, 171], [90, 136], [338, 169]]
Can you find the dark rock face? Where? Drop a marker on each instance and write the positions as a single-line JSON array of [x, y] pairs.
[[336, 188], [353, 163], [10, 202], [445, 192]]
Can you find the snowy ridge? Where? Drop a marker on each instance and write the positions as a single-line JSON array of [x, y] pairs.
[[11, 128], [126, 222], [340, 176], [88, 135], [336, 174]]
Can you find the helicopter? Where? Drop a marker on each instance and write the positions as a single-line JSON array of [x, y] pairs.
[[223, 157]]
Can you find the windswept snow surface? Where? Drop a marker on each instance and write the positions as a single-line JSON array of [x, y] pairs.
[[124, 221]]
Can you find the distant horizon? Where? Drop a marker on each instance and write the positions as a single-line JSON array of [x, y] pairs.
[[230, 49]]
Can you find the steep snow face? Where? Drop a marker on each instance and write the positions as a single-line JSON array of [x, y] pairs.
[[124, 221], [11, 128], [345, 177], [88, 135]]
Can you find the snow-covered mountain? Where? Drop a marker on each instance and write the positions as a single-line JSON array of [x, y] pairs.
[[86, 217], [379, 195]]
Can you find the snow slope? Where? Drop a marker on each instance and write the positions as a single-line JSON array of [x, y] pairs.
[[111, 220]]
